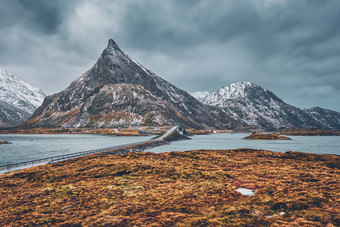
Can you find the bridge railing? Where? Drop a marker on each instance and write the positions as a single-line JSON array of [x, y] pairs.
[[20, 164]]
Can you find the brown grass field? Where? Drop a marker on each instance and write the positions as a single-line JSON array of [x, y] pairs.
[[193, 188]]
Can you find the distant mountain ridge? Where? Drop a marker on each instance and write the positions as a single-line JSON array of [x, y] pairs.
[[18, 99], [330, 119], [261, 109], [118, 92]]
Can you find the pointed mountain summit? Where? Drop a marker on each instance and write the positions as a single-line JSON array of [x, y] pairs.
[[113, 44], [259, 108], [118, 91]]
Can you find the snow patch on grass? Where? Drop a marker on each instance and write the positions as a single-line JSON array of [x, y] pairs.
[[245, 191]]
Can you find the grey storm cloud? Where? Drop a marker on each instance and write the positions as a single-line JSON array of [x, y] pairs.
[[289, 47]]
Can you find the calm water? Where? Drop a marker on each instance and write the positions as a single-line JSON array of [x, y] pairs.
[[30, 147], [310, 144]]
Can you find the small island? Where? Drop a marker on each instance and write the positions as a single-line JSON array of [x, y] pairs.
[[261, 136], [4, 142]]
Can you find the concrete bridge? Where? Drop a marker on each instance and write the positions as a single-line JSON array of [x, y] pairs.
[[22, 165]]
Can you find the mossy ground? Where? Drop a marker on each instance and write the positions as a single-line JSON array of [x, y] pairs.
[[196, 188]]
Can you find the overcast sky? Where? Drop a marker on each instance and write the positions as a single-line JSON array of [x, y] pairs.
[[287, 46]]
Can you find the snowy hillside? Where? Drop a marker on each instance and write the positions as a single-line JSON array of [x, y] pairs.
[[18, 93], [200, 95]]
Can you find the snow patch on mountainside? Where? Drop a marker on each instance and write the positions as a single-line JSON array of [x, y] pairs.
[[200, 95], [18, 93], [233, 91]]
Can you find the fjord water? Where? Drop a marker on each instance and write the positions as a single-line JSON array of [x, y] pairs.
[[31, 147], [308, 144]]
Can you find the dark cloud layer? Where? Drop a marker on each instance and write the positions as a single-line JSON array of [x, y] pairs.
[[289, 47]]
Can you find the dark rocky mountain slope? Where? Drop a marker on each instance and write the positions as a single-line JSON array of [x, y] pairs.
[[330, 119]]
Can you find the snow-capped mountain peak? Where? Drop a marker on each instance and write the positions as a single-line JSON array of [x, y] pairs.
[[233, 91], [236, 90], [18, 93]]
